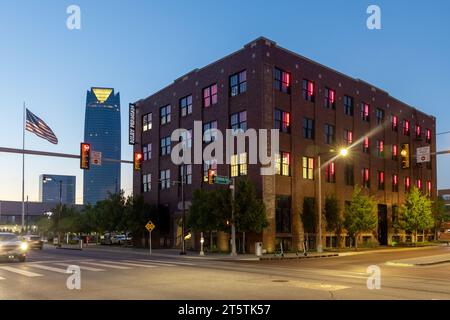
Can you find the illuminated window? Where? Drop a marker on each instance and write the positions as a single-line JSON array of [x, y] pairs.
[[380, 116], [283, 164], [428, 137], [210, 96], [429, 188], [418, 130], [308, 128], [366, 145], [407, 184], [282, 81], [349, 175], [165, 147], [238, 83], [239, 165], [348, 106], [147, 122], [380, 148], [419, 184], [395, 183], [308, 90], [365, 112], [330, 172], [330, 98], [186, 138], [394, 123], [239, 121], [147, 151], [282, 121], [186, 173], [348, 137], [209, 164], [329, 134], [308, 168], [146, 182], [406, 127], [365, 172], [164, 114], [164, 179], [208, 131], [380, 179], [186, 105]]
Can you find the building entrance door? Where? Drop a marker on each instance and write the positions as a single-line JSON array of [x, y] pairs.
[[382, 225]]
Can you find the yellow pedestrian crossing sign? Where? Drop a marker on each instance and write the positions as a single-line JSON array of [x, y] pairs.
[[150, 226]]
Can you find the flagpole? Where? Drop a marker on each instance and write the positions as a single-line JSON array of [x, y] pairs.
[[23, 169]]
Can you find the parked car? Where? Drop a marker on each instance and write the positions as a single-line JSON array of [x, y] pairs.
[[34, 242], [120, 239], [13, 247]]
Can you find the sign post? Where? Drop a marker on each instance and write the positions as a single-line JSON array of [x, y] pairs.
[[423, 154], [150, 226], [96, 158], [222, 180]]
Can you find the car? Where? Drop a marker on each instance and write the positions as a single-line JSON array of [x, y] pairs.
[[34, 242], [119, 239], [13, 247]]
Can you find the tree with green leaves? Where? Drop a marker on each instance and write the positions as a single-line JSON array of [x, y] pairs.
[[137, 214], [334, 220], [202, 214], [309, 217], [416, 213], [441, 214], [360, 215]]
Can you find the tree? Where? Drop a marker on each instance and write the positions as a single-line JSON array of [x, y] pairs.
[[202, 214], [440, 214], [416, 213], [250, 212], [333, 217], [136, 215], [360, 215], [308, 216]]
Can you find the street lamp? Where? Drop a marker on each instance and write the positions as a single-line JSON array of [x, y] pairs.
[[343, 153]]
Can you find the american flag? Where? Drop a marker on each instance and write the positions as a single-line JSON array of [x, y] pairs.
[[40, 128]]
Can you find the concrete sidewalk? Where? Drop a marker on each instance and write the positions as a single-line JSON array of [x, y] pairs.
[[421, 261]]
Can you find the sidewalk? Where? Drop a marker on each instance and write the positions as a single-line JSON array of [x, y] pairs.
[[421, 261]]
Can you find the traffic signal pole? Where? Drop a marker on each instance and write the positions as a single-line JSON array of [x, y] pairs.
[[233, 225]]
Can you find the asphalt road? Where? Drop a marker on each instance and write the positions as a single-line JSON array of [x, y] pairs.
[[127, 275]]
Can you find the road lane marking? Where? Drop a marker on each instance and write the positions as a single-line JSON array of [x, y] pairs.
[[132, 264], [172, 262], [40, 266], [319, 286], [156, 264], [2, 279], [21, 272], [81, 267], [106, 265]]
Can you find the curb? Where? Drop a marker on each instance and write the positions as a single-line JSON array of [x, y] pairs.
[[300, 257]]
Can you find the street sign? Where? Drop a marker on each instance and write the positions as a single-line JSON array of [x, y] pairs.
[[222, 180], [423, 154], [132, 124], [150, 226], [96, 158]]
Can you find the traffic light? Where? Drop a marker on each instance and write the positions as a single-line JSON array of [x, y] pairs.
[[137, 162], [405, 155], [211, 176], [85, 156]]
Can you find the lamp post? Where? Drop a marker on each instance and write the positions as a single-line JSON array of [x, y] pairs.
[[343, 153]]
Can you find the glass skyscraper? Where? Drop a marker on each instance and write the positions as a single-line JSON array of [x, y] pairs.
[[53, 188], [102, 132]]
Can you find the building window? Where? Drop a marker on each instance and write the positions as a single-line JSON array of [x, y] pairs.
[[186, 138], [209, 133], [380, 116], [238, 83], [395, 183], [239, 165], [394, 123], [283, 214], [239, 121], [207, 165], [186, 105], [429, 188], [380, 148], [329, 134], [428, 137], [349, 175], [283, 164], [366, 145], [282, 121], [330, 172], [348, 137], [308, 168], [308, 90], [147, 151], [308, 128], [210, 96], [330, 98], [365, 177], [407, 184], [380, 179], [395, 152], [348, 106], [406, 128], [165, 146], [164, 114], [282, 81], [146, 182], [419, 184], [146, 122], [418, 130], [164, 179], [186, 173], [365, 112]]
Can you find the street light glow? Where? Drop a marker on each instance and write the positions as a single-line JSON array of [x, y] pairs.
[[344, 152]]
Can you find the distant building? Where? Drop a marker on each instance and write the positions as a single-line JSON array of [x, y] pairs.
[[102, 132], [445, 195], [52, 187]]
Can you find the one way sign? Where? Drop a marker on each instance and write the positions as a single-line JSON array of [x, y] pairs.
[[423, 154]]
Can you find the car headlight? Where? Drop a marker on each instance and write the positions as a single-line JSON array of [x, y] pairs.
[[24, 246]]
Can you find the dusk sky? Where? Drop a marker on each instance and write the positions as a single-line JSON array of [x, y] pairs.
[[138, 47]]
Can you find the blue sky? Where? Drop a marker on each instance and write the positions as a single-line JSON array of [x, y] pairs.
[[139, 46]]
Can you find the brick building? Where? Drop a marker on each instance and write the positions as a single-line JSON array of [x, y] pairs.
[[317, 109]]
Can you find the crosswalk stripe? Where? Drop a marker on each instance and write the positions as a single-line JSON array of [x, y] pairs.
[[106, 265], [132, 264], [81, 267], [40, 266], [21, 272], [157, 264], [172, 262]]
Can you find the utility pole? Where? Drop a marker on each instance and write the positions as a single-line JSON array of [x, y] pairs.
[[183, 208], [233, 225], [319, 204]]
